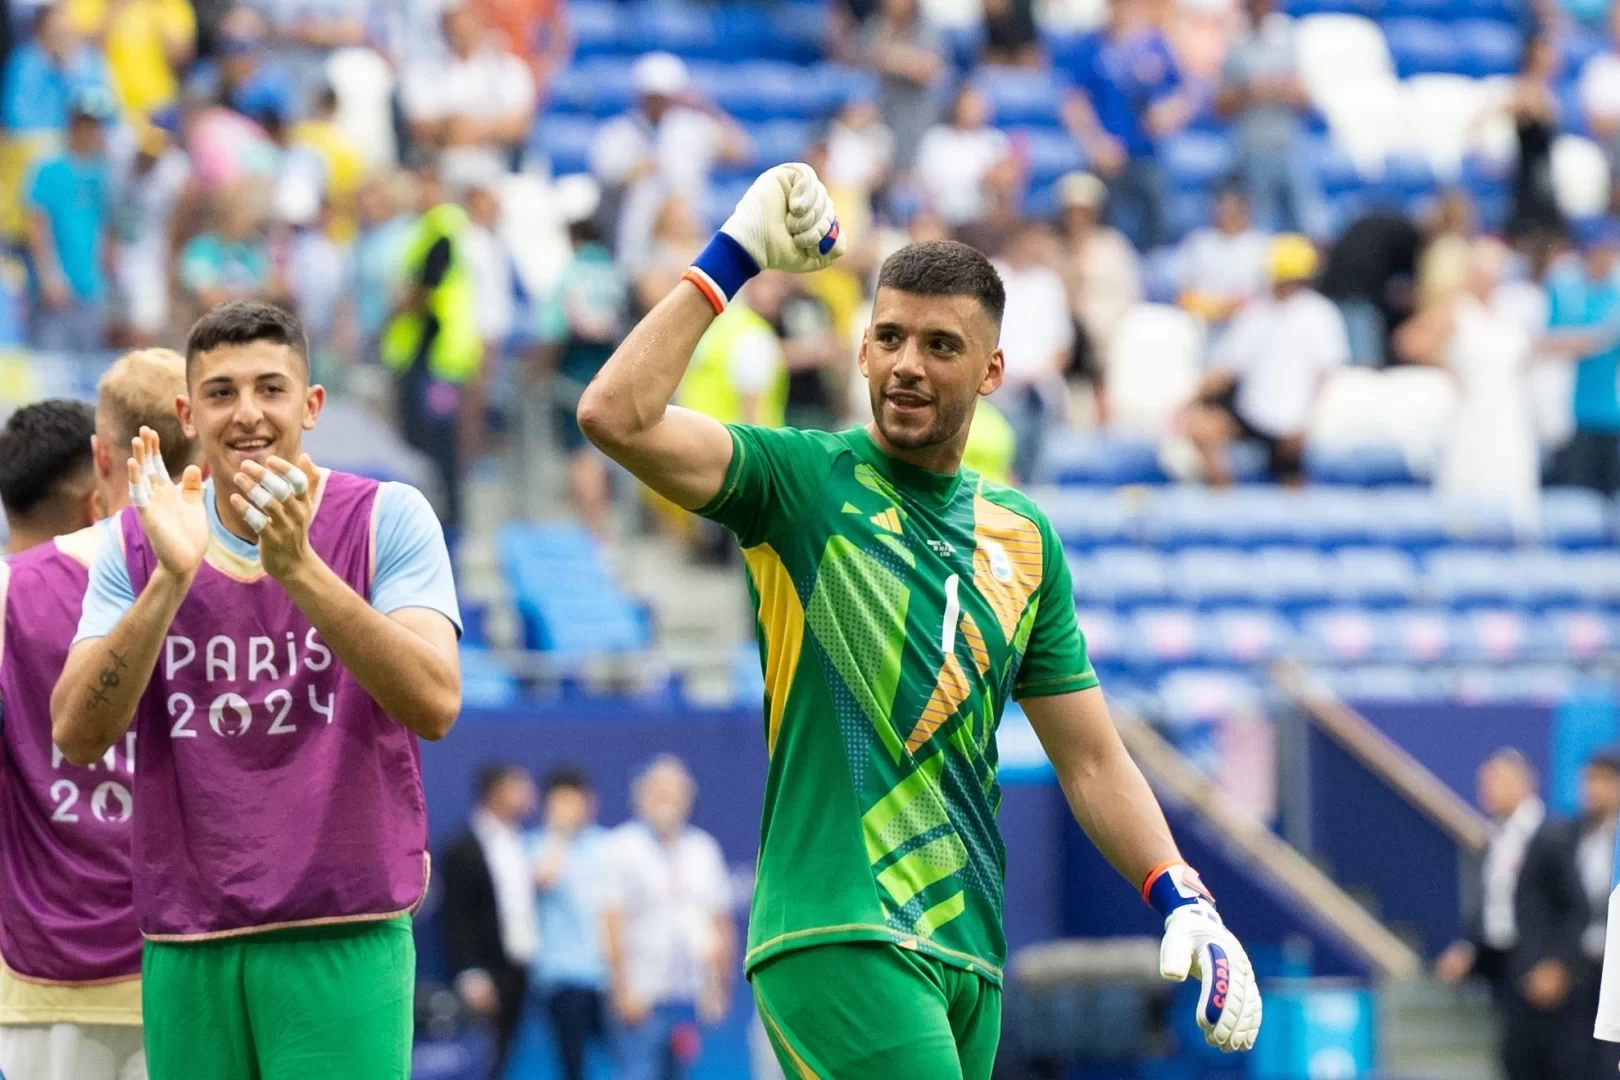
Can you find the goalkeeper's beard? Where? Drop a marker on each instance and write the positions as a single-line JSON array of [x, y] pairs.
[[949, 419]]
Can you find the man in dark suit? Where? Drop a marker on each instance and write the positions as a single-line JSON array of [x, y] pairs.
[[1594, 859], [1525, 936], [489, 904]]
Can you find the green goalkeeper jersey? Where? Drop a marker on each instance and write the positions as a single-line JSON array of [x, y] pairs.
[[897, 609]]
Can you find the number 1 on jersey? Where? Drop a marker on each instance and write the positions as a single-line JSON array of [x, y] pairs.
[[953, 608]]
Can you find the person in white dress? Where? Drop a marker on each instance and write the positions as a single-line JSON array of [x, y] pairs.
[[1489, 460]]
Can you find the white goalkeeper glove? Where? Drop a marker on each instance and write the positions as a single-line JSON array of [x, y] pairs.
[[784, 221], [1197, 942]]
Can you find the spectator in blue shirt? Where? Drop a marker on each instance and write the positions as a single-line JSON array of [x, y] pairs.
[[241, 77], [570, 973], [43, 75], [1130, 96], [67, 227], [1583, 317]]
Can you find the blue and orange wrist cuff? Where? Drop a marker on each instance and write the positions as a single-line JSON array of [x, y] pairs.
[[1172, 885], [721, 270]]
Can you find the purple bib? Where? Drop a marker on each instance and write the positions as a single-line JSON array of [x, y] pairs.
[[273, 789], [66, 914]]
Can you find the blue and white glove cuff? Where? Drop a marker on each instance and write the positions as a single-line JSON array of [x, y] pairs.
[[721, 270], [1174, 885]]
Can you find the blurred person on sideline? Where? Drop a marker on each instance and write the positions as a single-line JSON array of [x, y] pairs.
[[491, 921], [738, 374], [1594, 860], [231, 261], [316, 268], [581, 323], [955, 158], [244, 74], [386, 208], [1265, 374], [535, 30], [675, 240], [860, 148], [1129, 96], [1370, 275], [1534, 107], [493, 277], [1037, 340], [147, 43], [570, 976], [667, 929], [1525, 937], [475, 106], [307, 32], [908, 55], [69, 199], [1223, 266], [1490, 458], [342, 167], [1103, 273], [46, 74], [150, 179], [668, 143], [1598, 91], [432, 343], [1262, 92], [1011, 38], [812, 351], [1583, 317]]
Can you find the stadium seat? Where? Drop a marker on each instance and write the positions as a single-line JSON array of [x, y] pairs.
[[1489, 47], [1578, 45], [1584, 634], [1123, 578], [485, 684], [1187, 211], [1084, 519], [565, 140], [1196, 161], [1206, 695], [1154, 365], [1346, 635], [569, 603], [797, 32], [1580, 176], [1161, 275], [1292, 579], [1598, 577], [1408, 175], [1333, 49], [1047, 153], [1075, 458], [1334, 517], [1105, 635], [764, 91], [1211, 577], [1383, 683], [598, 29], [837, 84], [1423, 46], [1471, 579], [779, 141], [1335, 170], [1299, 9], [1575, 518], [599, 86], [1443, 112], [963, 44], [1492, 635], [1021, 96], [1164, 637], [1367, 465], [1244, 636], [676, 26], [1366, 116], [1422, 636], [1374, 577], [1551, 578]]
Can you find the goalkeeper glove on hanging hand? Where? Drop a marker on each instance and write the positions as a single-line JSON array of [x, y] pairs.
[[1197, 942], [784, 221]]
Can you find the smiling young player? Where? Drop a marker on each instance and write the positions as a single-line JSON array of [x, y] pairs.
[[278, 638], [901, 600]]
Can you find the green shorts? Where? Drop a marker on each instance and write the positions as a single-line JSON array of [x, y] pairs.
[[872, 1011], [323, 1001]]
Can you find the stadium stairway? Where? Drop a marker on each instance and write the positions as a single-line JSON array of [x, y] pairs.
[[1432, 1031]]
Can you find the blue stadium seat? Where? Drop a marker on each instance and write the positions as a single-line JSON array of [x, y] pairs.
[[721, 199], [1364, 466], [1021, 96], [1244, 636], [1067, 49], [1085, 519], [1196, 161], [1374, 577], [1493, 636], [963, 45], [1300, 8], [1040, 202], [1408, 176], [674, 26], [1422, 635], [1211, 577], [1291, 578], [1579, 45], [1188, 211], [1437, 10], [568, 602], [599, 29], [1423, 46], [1048, 153], [797, 32], [1383, 683], [746, 30], [1599, 578], [1186, 516], [1335, 170], [566, 142], [1409, 518], [1347, 635], [485, 684], [780, 141], [1541, 684], [1163, 637], [1489, 47], [1584, 634], [763, 91], [1575, 518], [1161, 275], [599, 87], [1123, 577], [1206, 695], [1469, 579], [1551, 578], [1074, 458], [838, 84], [1335, 517]]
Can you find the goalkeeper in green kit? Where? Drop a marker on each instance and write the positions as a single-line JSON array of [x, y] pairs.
[[900, 601]]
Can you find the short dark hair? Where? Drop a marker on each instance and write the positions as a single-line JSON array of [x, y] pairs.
[[492, 775], [567, 776], [945, 268], [43, 445], [243, 322], [1607, 759]]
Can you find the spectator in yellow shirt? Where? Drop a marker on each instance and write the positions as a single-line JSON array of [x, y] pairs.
[[146, 41], [345, 168]]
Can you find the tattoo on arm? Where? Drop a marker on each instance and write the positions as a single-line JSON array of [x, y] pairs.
[[108, 678]]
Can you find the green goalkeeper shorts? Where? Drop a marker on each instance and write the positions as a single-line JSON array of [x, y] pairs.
[[872, 1011], [323, 1001]]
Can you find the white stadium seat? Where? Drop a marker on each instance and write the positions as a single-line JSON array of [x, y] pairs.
[[1580, 176], [1154, 366]]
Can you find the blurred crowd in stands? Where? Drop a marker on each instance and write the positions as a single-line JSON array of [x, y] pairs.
[[1203, 248]]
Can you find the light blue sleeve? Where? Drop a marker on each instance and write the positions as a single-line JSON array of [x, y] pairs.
[[413, 564], [109, 593]]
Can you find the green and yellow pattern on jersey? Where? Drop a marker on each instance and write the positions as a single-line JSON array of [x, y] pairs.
[[898, 609]]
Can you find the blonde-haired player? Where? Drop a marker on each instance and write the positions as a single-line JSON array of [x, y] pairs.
[[70, 953]]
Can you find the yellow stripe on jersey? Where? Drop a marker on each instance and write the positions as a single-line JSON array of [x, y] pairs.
[[1007, 561], [975, 640], [950, 690], [781, 620], [934, 861], [940, 914]]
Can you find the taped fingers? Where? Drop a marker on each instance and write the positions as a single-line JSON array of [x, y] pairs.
[[256, 519], [296, 479], [278, 487]]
